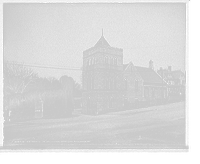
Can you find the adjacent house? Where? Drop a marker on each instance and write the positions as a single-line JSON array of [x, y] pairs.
[[176, 81]]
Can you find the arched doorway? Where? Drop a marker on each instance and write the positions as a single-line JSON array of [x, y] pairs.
[[91, 108]]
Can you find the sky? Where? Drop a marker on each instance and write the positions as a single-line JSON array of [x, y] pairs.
[[57, 34]]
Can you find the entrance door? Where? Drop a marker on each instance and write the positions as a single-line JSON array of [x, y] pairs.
[[91, 109]]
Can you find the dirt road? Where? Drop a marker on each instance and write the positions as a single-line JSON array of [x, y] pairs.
[[161, 127]]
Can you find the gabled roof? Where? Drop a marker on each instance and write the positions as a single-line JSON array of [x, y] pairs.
[[125, 66], [171, 74], [102, 42], [177, 74], [149, 76]]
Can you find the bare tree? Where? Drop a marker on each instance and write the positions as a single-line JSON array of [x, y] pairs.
[[17, 77]]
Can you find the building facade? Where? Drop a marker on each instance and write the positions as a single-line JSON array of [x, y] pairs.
[[143, 84], [108, 84], [176, 80]]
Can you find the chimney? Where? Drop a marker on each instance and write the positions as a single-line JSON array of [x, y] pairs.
[[151, 64], [169, 68]]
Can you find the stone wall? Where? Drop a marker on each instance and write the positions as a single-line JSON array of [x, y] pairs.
[[85, 96], [102, 97], [103, 101], [100, 70]]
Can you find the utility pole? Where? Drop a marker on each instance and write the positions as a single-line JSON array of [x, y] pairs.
[[162, 89]]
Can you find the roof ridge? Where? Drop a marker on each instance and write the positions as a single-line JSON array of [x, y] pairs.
[[142, 67], [149, 75], [125, 66]]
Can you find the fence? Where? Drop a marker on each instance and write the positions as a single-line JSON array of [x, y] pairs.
[[146, 103]]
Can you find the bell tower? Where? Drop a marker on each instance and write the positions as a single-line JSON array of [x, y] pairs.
[[102, 74]]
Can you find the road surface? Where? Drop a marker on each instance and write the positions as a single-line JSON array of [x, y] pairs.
[[158, 127]]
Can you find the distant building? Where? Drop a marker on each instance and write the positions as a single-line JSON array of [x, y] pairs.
[[176, 81], [109, 84]]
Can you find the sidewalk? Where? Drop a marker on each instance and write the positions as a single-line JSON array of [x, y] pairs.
[[140, 110]]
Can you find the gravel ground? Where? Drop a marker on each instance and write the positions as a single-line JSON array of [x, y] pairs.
[[158, 127]]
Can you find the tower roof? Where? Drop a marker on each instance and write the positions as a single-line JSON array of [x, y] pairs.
[[102, 42]]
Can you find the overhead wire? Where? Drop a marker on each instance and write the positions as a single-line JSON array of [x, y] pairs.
[[43, 66], [57, 67]]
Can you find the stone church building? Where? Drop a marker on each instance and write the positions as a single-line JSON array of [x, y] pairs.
[[108, 83]]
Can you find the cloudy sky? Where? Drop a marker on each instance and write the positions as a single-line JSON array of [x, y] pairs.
[[57, 34]]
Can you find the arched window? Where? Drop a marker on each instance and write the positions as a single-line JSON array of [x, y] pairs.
[[110, 60], [136, 84], [106, 59], [90, 61], [115, 83], [115, 61], [107, 81], [125, 84], [111, 83], [111, 101], [153, 91], [87, 84], [92, 83], [89, 102]]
